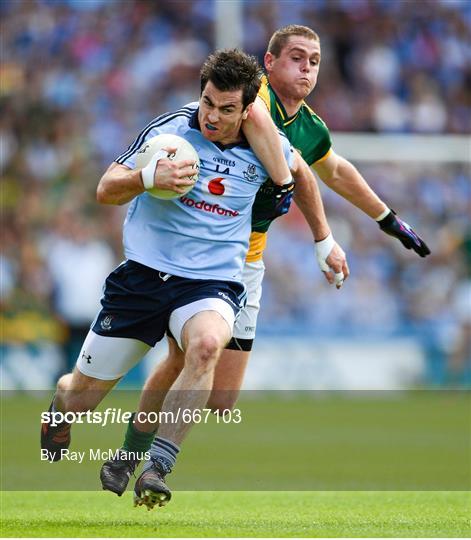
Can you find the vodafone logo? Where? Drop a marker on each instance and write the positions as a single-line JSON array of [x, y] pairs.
[[216, 187], [208, 207]]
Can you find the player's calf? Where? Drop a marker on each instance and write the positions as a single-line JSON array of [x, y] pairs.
[[222, 402], [77, 392]]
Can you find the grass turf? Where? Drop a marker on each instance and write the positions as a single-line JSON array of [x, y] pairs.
[[238, 514]]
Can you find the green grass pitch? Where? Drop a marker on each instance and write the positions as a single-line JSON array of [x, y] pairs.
[[239, 514]]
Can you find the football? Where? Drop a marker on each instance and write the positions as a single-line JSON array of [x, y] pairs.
[[184, 151]]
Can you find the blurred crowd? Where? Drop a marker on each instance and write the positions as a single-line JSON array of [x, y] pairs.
[[391, 292], [79, 78]]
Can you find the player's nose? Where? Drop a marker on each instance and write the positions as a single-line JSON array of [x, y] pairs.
[[305, 66], [213, 117]]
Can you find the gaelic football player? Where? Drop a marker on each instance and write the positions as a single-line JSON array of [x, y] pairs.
[[184, 257], [292, 65]]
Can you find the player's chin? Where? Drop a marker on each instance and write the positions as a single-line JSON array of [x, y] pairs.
[[303, 90], [211, 134]]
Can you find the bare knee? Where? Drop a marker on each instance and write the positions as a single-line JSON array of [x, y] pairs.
[[205, 347], [203, 352]]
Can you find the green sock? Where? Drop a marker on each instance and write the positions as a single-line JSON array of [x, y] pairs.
[[135, 440]]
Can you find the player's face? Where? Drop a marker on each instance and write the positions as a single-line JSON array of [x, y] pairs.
[[293, 74], [221, 114]]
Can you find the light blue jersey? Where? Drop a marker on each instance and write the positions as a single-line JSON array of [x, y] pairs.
[[205, 233]]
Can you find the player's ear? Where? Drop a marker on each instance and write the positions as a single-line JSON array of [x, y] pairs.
[[246, 113], [268, 61]]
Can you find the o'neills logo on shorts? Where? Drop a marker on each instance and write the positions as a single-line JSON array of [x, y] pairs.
[[208, 207]]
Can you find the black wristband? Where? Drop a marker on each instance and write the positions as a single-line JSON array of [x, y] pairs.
[[388, 220]]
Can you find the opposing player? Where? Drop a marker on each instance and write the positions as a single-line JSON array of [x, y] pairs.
[[292, 65], [184, 256]]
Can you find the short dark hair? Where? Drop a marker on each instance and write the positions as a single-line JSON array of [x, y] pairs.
[[232, 69], [280, 37]]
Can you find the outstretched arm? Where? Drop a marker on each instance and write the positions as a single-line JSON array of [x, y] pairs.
[[309, 200], [341, 176], [330, 256], [265, 141]]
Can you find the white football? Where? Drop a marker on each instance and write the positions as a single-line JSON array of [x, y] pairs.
[[184, 151]]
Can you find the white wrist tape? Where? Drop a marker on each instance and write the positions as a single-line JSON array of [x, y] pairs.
[[287, 181], [339, 279], [383, 214], [148, 172], [323, 249]]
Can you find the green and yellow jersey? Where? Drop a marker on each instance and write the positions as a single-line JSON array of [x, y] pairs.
[[309, 136]]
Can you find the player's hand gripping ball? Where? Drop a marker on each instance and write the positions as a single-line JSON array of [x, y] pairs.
[[153, 150]]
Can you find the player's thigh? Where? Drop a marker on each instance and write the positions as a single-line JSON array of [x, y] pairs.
[[208, 329], [102, 362], [109, 358], [246, 323], [232, 364], [219, 301], [208, 319]]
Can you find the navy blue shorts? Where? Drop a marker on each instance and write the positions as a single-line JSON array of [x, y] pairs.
[[137, 302]]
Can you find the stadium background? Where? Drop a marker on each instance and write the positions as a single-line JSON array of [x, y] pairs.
[[79, 78]]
